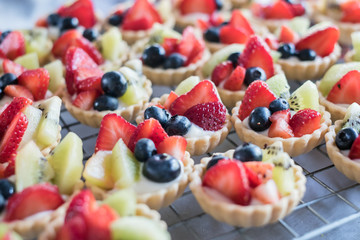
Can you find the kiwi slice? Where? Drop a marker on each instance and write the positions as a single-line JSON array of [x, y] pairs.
[[283, 173], [33, 116], [123, 202], [28, 61], [56, 73], [186, 85], [352, 117], [299, 25], [355, 39], [135, 64], [278, 84], [272, 151], [37, 41], [306, 96], [111, 44]]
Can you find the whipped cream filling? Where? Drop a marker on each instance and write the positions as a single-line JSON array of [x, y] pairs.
[[195, 16], [196, 131]]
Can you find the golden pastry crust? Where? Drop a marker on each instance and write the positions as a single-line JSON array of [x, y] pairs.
[[93, 118], [245, 216], [161, 198], [239, 3], [195, 145], [293, 146], [342, 163], [305, 70], [349, 56]]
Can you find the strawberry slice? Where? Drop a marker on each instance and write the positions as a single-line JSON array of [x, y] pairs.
[[287, 35], [12, 67], [203, 92], [98, 224], [351, 11], [257, 54], [283, 114], [239, 21], [229, 178], [254, 179], [41, 22], [216, 19], [221, 72], [90, 49], [37, 81], [82, 204], [257, 94], [279, 10], [170, 99], [347, 89], [13, 45], [305, 121], [257, 10], [112, 128], [322, 41], [187, 43], [230, 35], [91, 83], [74, 228], [83, 10], [280, 128], [298, 9], [272, 42], [197, 52], [85, 100], [355, 149], [150, 128], [41, 197], [197, 6], [263, 170], [266, 193], [209, 116], [170, 45], [174, 146], [64, 42], [18, 91], [82, 73], [236, 79]]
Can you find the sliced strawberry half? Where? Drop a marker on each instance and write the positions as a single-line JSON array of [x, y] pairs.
[[322, 42], [85, 100], [83, 10], [64, 42], [258, 94], [230, 35], [351, 11], [347, 89], [82, 73], [221, 72], [82, 204], [98, 224], [203, 92], [239, 21], [305, 121], [18, 91], [287, 35], [263, 170], [283, 114], [74, 228], [190, 46], [355, 149], [210, 116], [236, 79], [90, 49], [91, 83], [197, 6], [174, 146], [257, 54], [170, 99], [280, 128], [254, 179], [12, 67], [272, 42], [37, 81], [298, 9], [112, 128], [170, 45], [13, 45], [279, 10]]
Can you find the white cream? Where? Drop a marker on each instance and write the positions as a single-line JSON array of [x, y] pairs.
[[196, 131], [195, 16]]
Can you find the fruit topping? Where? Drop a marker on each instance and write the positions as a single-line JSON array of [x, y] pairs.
[[355, 149], [286, 50], [350, 11], [85, 100], [161, 168], [154, 56], [278, 104], [178, 125], [287, 35], [18, 91], [197, 6], [221, 72], [248, 152], [174, 61], [12, 67], [254, 73], [162, 115], [259, 119], [37, 81], [82, 10], [7, 188], [305, 121], [345, 91], [174, 146], [306, 96], [144, 149], [12, 45], [214, 160], [345, 138], [114, 84], [306, 55]]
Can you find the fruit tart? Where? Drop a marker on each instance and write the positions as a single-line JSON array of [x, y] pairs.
[[117, 217], [343, 143], [234, 67], [136, 20], [194, 111], [339, 88], [354, 54], [169, 57], [90, 94], [264, 117], [248, 186], [144, 158]]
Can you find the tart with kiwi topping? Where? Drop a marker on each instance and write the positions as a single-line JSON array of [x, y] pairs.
[[248, 186], [143, 158], [343, 143], [354, 54], [264, 117]]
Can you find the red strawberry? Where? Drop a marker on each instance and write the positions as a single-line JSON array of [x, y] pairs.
[[262, 169], [279, 10], [202, 25], [236, 79], [34, 199], [85, 100], [297, 9], [280, 128], [189, 46], [267, 193], [197, 6], [12, 67], [355, 149], [91, 83], [83, 73], [230, 35], [287, 35], [18, 91], [37, 81], [112, 128], [257, 54], [90, 49], [74, 228], [257, 9], [197, 52], [174, 146], [170, 99], [216, 19], [347, 89], [203, 92], [305, 121], [13, 45], [221, 72], [254, 179], [229, 178], [82, 204], [169, 44], [257, 94], [98, 224], [12, 138], [150, 128], [351, 11], [283, 114], [83, 10], [322, 41], [10, 168], [239, 21], [64, 42], [272, 42], [41, 22], [209, 116]]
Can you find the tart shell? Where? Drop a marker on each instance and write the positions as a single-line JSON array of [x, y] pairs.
[[294, 146], [245, 216], [349, 56]]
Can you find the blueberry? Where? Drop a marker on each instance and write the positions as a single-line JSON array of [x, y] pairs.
[[212, 34], [144, 149], [254, 73], [224, 23], [345, 138], [154, 56], [116, 19], [234, 58], [259, 119], [90, 34], [2, 203], [287, 50], [278, 105], [105, 102], [219, 4], [158, 113], [178, 125], [248, 152], [1, 93], [214, 160], [175, 60], [114, 84], [69, 23], [306, 55], [161, 168], [7, 79], [7, 188], [3, 35], [53, 19]]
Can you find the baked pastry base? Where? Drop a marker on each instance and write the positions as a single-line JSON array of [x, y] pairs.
[[245, 216], [239, 3]]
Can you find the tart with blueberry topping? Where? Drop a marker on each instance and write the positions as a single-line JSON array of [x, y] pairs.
[[248, 186]]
